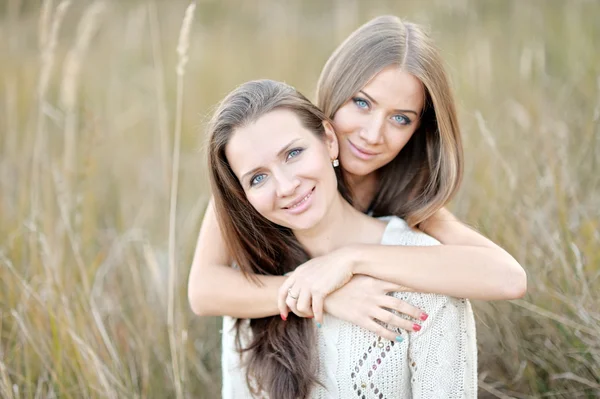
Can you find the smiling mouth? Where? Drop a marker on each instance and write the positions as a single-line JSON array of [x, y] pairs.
[[301, 201]]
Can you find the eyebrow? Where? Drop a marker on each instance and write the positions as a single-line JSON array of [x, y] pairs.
[[279, 154], [406, 111]]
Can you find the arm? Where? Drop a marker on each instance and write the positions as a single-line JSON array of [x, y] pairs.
[[467, 266], [478, 271], [215, 289]]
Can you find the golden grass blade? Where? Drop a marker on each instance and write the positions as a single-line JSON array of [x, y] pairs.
[[558, 318], [182, 47], [47, 63], [88, 26], [161, 106]]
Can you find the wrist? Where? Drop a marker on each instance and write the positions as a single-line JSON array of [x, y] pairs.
[[353, 258]]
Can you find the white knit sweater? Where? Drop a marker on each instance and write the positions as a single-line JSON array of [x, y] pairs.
[[440, 361]]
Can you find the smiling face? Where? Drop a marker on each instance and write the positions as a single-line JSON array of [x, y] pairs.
[[376, 123], [285, 169]]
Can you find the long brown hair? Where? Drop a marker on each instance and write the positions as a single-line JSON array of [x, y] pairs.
[[280, 360], [426, 174]]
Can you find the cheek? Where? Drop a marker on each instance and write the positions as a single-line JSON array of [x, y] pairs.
[[318, 166], [345, 121], [397, 140], [261, 201]]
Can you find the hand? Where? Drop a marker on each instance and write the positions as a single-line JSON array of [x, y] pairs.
[[363, 301], [306, 288]]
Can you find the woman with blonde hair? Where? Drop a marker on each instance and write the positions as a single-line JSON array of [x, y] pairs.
[[386, 90], [280, 199]]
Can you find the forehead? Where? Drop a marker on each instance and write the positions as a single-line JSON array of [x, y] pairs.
[[259, 142], [395, 88]]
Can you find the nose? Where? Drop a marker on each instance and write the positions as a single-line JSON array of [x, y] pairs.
[[286, 185], [372, 131]]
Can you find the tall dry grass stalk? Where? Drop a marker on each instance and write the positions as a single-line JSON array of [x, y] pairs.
[[48, 41], [68, 98], [100, 200], [176, 332], [71, 74], [161, 107]]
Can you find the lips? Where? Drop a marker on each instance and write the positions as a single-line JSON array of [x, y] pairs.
[[300, 200], [360, 151]]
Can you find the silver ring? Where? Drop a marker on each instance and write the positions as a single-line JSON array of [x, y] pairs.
[[290, 294]]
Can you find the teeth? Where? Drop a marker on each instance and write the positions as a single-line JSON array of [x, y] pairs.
[[301, 201]]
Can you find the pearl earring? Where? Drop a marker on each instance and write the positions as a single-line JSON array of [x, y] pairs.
[[335, 163]]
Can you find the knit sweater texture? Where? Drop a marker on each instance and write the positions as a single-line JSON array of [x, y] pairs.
[[439, 361]]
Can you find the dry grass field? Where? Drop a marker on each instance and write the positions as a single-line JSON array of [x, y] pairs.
[[103, 187]]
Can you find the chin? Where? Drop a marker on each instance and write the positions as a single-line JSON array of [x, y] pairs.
[[358, 168], [303, 222]]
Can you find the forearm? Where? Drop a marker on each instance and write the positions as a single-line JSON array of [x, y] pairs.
[[216, 289], [473, 272], [219, 290]]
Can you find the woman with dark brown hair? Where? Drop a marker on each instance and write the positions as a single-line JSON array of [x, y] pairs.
[[387, 93], [280, 199]]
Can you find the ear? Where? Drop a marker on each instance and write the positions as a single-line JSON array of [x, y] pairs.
[[331, 140]]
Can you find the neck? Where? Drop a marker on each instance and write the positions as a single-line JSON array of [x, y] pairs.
[[363, 189], [342, 225]]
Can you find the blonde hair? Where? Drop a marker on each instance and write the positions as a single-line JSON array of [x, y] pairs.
[[427, 172]]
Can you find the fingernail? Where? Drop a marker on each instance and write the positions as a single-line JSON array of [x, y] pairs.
[[283, 317], [416, 327], [424, 316], [399, 338], [318, 325], [310, 317]]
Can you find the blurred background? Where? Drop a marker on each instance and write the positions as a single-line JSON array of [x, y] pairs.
[[103, 182]]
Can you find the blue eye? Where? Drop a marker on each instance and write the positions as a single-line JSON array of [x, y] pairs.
[[294, 153], [401, 119], [361, 103], [257, 179]]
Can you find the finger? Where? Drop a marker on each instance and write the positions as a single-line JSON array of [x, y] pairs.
[[317, 307], [393, 287], [381, 331], [390, 319], [304, 303], [401, 306], [282, 297], [281, 305], [292, 304]]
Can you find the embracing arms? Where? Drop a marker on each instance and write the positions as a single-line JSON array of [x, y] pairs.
[[217, 289], [468, 266], [473, 266]]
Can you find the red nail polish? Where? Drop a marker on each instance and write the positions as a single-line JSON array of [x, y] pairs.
[[310, 317], [424, 316], [283, 317], [416, 327]]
